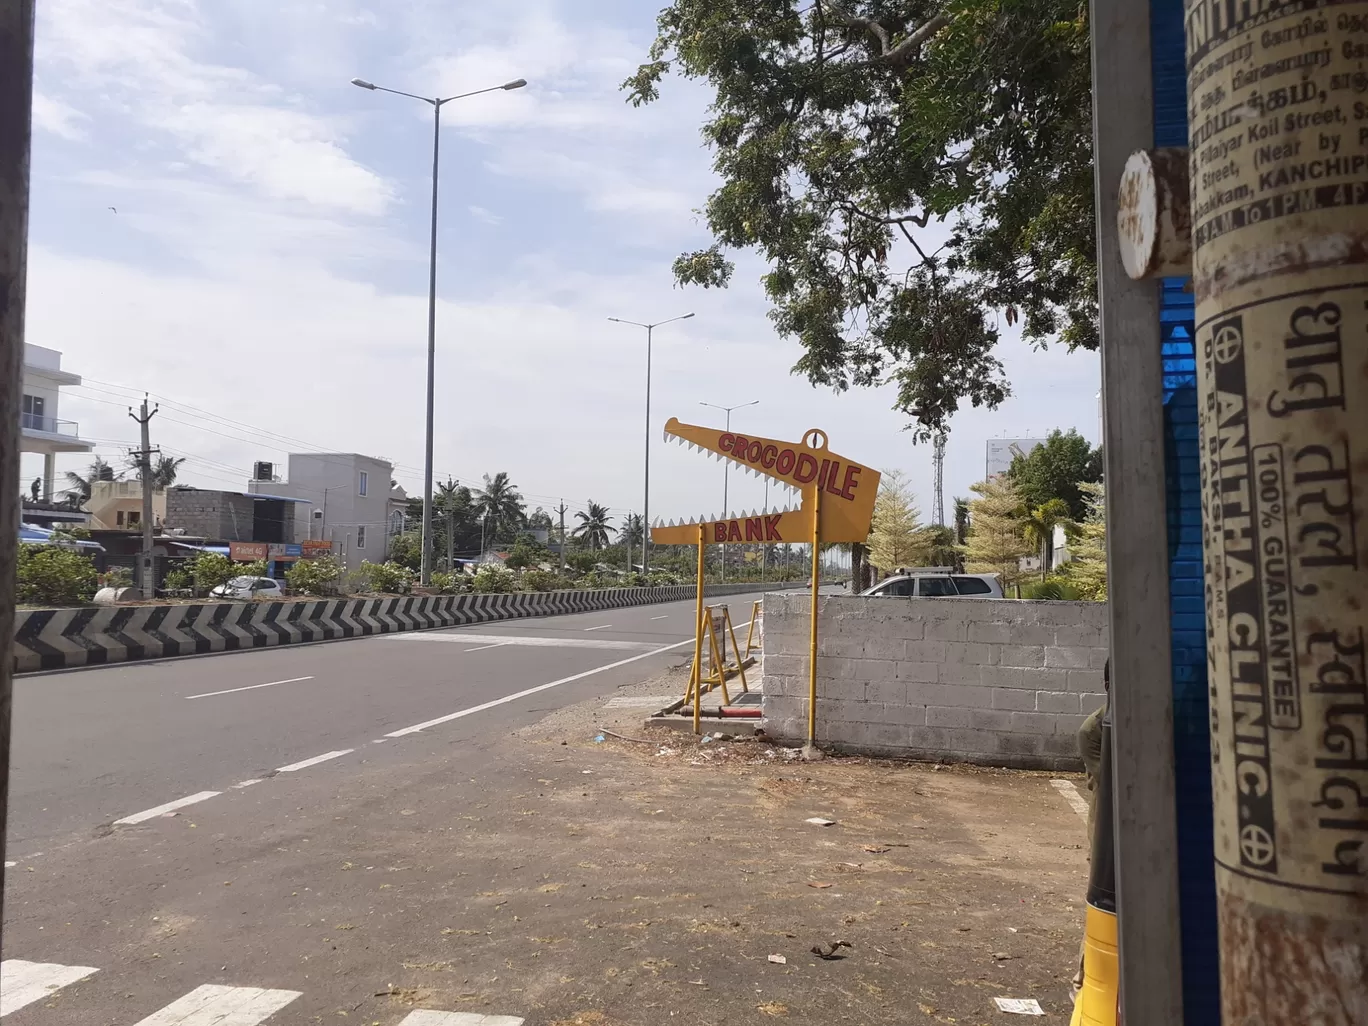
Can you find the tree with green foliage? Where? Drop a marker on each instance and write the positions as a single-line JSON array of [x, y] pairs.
[[493, 578], [581, 562], [630, 535], [1056, 469], [1087, 570], [407, 549], [317, 576], [895, 537], [940, 547], [961, 520], [996, 544], [210, 569], [50, 575], [389, 578], [1038, 527], [79, 485], [905, 167], [593, 529], [525, 553], [499, 505], [165, 469]]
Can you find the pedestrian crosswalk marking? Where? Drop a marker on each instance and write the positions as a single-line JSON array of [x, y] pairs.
[[426, 1017], [212, 1005], [22, 983]]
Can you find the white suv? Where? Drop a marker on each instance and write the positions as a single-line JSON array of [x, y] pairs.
[[938, 585]]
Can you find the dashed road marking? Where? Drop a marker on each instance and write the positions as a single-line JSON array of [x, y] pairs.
[[490, 640], [665, 617], [162, 810], [532, 691], [600, 627], [212, 1005], [249, 687], [247, 783], [428, 1017], [22, 983], [1071, 795], [292, 767], [481, 648]]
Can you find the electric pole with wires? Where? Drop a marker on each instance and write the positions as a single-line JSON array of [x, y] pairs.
[[146, 579], [561, 510]]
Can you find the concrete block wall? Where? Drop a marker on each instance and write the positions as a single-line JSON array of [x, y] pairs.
[[203, 513], [1004, 683]]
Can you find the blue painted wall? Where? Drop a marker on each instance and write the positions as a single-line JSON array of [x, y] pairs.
[[1191, 740]]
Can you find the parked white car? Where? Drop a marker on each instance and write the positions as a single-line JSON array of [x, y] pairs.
[[249, 588], [984, 586]]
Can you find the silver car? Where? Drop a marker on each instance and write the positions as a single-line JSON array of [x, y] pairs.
[[984, 586], [249, 588]]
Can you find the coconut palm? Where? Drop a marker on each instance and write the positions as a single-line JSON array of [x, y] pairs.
[[164, 470], [593, 529], [1039, 524], [100, 469], [630, 535], [961, 520], [499, 504]]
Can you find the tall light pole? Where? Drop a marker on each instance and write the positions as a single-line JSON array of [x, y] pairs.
[[726, 468], [425, 573], [646, 501]]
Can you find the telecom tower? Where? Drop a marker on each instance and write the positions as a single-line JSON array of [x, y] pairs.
[[938, 460]]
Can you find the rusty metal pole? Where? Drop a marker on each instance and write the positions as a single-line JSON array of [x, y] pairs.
[[16, 102], [1279, 170]]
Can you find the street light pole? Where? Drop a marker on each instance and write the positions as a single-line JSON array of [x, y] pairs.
[[646, 500], [726, 469], [425, 571]]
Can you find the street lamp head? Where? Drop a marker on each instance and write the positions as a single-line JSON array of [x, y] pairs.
[[363, 83], [686, 317], [517, 83]]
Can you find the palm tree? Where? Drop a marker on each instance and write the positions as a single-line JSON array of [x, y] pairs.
[[961, 520], [499, 503], [100, 469], [630, 535], [1039, 525], [593, 529]]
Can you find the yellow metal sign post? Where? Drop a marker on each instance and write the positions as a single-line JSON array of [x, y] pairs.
[[837, 505]]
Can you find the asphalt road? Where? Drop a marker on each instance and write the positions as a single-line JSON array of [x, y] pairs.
[[94, 747], [180, 830]]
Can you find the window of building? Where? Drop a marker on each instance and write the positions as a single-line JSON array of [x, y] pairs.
[[32, 417], [361, 531], [362, 483]]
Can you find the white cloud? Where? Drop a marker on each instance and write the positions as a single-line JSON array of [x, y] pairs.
[[141, 56], [61, 119], [485, 216]]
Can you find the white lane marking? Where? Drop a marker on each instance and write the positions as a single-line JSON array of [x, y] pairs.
[[314, 761], [161, 810], [1071, 795], [600, 627], [665, 617], [532, 691], [22, 983], [212, 1005], [10, 865], [512, 639], [499, 644], [247, 783], [427, 1017], [249, 687]]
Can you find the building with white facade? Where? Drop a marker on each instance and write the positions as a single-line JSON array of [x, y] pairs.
[[349, 496], [41, 428]]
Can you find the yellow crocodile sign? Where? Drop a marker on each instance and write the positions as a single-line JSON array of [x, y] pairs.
[[848, 490]]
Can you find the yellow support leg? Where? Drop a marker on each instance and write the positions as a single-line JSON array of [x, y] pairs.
[[740, 659], [812, 641], [698, 641]]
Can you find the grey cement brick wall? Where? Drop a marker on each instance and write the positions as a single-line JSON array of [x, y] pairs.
[[217, 516], [1003, 683]]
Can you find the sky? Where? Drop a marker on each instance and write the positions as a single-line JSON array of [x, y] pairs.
[[221, 220]]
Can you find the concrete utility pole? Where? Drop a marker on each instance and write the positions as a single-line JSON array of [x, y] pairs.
[[561, 510], [146, 579], [1274, 230], [16, 103]]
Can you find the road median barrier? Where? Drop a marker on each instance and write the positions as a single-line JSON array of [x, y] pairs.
[[58, 639]]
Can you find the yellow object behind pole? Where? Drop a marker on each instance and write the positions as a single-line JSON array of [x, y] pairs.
[[812, 645], [698, 640], [1096, 1002]]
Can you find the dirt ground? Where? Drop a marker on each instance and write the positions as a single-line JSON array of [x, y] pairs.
[[669, 875]]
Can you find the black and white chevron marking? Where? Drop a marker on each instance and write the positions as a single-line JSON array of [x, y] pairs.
[[55, 639]]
